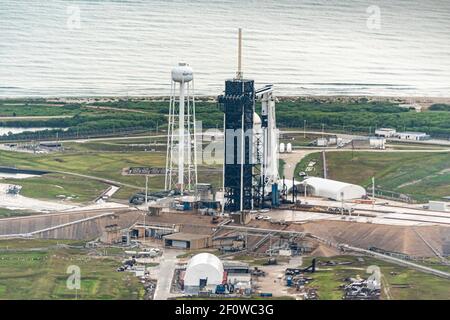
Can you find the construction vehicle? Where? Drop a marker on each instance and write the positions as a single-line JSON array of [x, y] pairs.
[[297, 271], [258, 272], [271, 262], [215, 220]]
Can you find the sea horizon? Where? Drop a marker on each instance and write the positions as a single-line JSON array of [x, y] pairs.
[[128, 48]]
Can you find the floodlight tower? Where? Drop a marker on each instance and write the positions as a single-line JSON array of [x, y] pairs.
[[181, 158]]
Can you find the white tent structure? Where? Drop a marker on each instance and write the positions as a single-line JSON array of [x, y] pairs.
[[204, 270], [333, 189]]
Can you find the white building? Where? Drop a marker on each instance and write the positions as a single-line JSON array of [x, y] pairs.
[[322, 142], [333, 189], [410, 135], [385, 132], [377, 142], [439, 206], [204, 271]]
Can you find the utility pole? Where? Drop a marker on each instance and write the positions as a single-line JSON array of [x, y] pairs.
[[270, 244], [305, 184], [146, 202], [146, 190], [373, 192], [293, 190], [304, 129]]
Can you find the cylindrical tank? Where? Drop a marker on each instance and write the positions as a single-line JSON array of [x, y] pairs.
[[282, 147], [289, 147], [182, 73]]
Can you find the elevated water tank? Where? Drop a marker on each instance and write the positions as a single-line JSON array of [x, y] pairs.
[[182, 73]]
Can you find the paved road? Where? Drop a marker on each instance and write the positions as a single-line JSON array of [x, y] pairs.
[[107, 181], [291, 160], [34, 117], [165, 274]]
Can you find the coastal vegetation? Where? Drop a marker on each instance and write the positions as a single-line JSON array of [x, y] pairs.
[[126, 116]]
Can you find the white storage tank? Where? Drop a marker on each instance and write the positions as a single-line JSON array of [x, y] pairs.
[[282, 147], [182, 73], [289, 147]]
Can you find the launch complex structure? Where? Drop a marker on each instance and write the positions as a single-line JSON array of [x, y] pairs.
[[250, 170], [251, 143]]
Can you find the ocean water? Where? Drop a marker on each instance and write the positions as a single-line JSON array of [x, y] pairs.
[[322, 47]]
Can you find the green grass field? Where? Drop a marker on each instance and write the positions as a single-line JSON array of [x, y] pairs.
[[6, 213], [93, 160], [424, 176], [96, 164], [42, 273], [59, 186], [317, 170]]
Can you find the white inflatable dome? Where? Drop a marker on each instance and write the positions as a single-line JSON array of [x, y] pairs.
[[203, 266]]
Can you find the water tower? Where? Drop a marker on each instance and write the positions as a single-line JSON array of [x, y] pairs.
[[181, 158]]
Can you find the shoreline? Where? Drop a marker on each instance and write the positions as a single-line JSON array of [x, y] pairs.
[[206, 98]]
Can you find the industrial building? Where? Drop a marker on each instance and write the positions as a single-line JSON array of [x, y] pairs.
[[367, 142], [238, 275], [203, 272], [385, 132], [185, 240], [332, 189], [410, 135], [439, 206]]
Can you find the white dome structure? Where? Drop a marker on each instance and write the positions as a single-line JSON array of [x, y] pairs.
[[333, 189], [203, 270]]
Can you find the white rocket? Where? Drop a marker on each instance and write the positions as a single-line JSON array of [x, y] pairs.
[[270, 133]]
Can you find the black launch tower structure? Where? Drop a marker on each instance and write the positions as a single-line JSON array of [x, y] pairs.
[[238, 104]]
